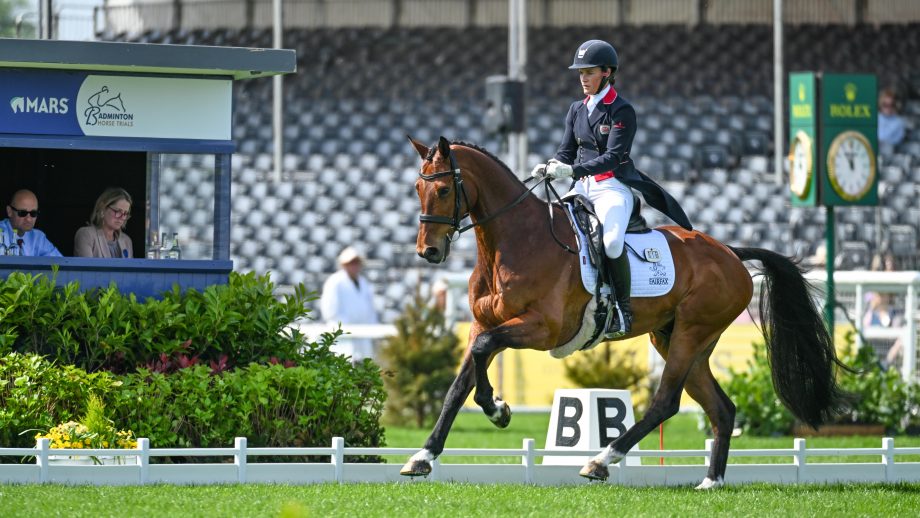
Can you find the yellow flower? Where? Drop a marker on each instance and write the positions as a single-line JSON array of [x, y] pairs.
[[105, 444]]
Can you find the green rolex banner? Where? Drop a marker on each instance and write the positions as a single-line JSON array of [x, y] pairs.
[[803, 117], [849, 139]]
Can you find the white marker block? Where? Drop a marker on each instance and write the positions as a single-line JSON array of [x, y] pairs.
[[588, 419]]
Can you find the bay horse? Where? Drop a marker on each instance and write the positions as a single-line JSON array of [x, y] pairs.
[[525, 292]]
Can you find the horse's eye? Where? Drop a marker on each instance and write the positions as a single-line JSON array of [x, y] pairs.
[[443, 191]]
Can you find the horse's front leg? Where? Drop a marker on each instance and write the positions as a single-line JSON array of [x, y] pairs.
[[420, 463], [528, 331]]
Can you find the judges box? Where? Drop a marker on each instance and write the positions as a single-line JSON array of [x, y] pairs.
[[588, 419]]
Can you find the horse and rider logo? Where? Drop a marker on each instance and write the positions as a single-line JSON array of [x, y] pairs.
[[106, 107]]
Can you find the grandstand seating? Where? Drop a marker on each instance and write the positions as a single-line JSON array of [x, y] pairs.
[[702, 94]]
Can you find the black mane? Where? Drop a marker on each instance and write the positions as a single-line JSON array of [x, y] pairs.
[[433, 149]]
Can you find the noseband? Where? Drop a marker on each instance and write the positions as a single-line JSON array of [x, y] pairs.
[[459, 191]]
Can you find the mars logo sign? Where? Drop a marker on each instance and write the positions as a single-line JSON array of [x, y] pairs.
[[51, 105]]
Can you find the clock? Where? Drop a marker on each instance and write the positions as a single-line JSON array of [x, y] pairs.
[[801, 166], [851, 165]]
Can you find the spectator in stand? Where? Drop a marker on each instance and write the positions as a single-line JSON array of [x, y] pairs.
[[104, 235], [18, 234], [881, 310], [890, 124], [348, 298], [439, 295]]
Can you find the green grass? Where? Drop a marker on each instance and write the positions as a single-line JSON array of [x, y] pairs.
[[433, 499], [473, 430]]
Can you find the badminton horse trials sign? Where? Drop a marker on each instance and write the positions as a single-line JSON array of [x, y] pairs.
[[833, 135], [89, 104]]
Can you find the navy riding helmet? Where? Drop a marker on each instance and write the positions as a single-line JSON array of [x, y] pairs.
[[595, 53]]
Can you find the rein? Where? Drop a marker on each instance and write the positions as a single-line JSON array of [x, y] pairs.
[[459, 189], [552, 227]]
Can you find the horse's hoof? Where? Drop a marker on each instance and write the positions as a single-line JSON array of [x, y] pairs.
[[503, 419], [416, 468], [709, 483], [594, 470]]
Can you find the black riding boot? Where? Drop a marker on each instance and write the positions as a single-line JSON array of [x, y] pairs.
[[620, 280]]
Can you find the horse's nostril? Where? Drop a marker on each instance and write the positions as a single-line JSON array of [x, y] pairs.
[[430, 252]]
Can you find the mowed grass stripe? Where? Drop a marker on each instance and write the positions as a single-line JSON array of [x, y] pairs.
[[436, 499]]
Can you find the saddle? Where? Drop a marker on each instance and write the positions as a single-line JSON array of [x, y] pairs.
[[583, 217]]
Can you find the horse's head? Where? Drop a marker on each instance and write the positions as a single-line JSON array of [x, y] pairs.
[[444, 200]]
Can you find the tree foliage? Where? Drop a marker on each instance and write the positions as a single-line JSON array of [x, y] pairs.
[[419, 363], [9, 9], [607, 366]]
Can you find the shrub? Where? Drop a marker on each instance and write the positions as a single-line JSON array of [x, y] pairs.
[[272, 405], [606, 366], [36, 394], [759, 410], [880, 395], [227, 325], [420, 362]]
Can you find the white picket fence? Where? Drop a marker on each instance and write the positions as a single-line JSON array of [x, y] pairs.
[[242, 471]]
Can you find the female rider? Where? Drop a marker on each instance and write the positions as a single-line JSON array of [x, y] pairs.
[[595, 148]]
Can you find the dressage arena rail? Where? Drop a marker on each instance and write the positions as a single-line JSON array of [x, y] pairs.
[[139, 470]]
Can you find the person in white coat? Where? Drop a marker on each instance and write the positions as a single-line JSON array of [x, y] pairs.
[[348, 298]]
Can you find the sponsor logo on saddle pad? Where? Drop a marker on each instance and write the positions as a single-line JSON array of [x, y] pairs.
[[650, 262]]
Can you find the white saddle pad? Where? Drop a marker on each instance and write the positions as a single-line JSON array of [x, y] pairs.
[[649, 278]]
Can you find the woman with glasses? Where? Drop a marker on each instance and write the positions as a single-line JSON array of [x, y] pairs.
[[104, 236]]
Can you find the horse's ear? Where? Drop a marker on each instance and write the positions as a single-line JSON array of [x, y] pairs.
[[444, 146], [419, 147]]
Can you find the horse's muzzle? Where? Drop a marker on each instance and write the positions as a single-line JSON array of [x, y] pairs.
[[432, 254]]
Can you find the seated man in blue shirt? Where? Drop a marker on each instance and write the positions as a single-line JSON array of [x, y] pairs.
[[19, 236]]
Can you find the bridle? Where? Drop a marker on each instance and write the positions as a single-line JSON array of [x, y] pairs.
[[459, 190]]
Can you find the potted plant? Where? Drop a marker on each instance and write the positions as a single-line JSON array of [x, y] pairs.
[[94, 431]]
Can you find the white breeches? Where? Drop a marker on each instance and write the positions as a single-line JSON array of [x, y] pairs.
[[613, 203]]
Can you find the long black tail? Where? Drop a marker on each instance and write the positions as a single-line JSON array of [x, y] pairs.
[[799, 346]]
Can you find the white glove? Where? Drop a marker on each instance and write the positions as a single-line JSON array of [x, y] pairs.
[[556, 169], [539, 171]]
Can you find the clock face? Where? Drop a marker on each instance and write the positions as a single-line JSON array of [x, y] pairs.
[[851, 165], [800, 169]]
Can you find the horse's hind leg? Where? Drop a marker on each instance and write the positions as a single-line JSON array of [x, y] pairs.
[[705, 390], [687, 345]]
